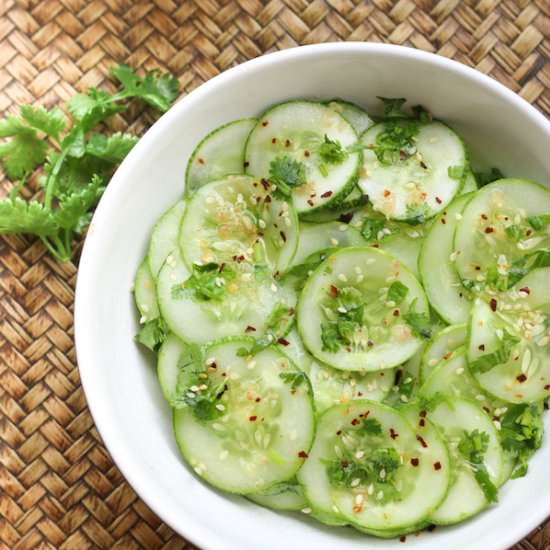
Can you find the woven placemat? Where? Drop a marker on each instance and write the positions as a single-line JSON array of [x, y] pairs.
[[58, 486]]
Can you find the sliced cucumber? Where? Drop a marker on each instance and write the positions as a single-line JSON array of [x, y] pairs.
[[346, 319], [164, 238], [495, 236], [237, 219], [287, 496], [405, 248], [220, 153], [331, 386], [338, 212], [465, 498], [367, 466], [172, 358], [244, 309], [315, 237], [144, 293], [355, 115], [442, 347], [509, 348], [261, 427], [296, 130], [421, 178], [437, 266]]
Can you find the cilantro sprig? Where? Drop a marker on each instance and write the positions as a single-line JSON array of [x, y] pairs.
[[74, 161]]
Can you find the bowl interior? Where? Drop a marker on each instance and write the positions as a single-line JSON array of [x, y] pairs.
[[119, 379]]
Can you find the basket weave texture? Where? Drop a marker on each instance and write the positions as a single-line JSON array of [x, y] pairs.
[[58, 486]]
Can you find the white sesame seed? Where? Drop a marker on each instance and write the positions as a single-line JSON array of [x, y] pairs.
[[143, 319], [526, 360], [194, 388], [273, 287], [370, 489], [359, 499], [480, 397], [355, 482], [359, 454], [342, 309], [342, 278], [220, 407], [382, 474], [380, 495], [335, 509], [334, 242], [343, 227], [459, 370], [306, 510], [404, 398], [432, 362], [458, 216]]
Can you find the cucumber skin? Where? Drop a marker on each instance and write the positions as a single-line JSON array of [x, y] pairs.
[[187, 192], [337, 198]]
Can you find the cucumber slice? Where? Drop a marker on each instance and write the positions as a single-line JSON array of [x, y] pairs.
[[436, 264], [454, 417], [250, 299], [296, 130], [261, 428], [360, 468], [424, 182], [517, 371], [442, 347], [331, 386], [286, 497], [164, 238], [173, 357], [405, 248], [315, 237], [355, 115], [470, 183], [236, 218], [220, 153], [495, 236], [345, 318], [144, 293]]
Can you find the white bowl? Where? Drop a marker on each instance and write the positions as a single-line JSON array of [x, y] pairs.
[[119, 378]]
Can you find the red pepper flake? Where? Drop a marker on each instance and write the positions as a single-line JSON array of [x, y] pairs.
[[547, 387], [291, 311], [421, 422], [346, 218], [201, 161], [396, 313], [443, 221], [310, 202], [422, 441], [250, 328], [423, 414], [489, 230], [448, 355], [354, 422], [303, 454], [387, 193], [415, 462], [370, 343], [274, 141], [265, 183], [283, 341], [306, 153], [484, 217], [265, 123], [359, 394], [393, 434], [528, 233], [326, 194], [521, 378], [258, 399], [525, 289], [481, 347], [402, 155], [430, 528], [438, 200], [267, 199], [437, 465], [283, 236], [287, 143], [252, 418], [333, 291], [246, 164], [493, 304], [339, 432], [423, 164], [402, 538], [477, 268]]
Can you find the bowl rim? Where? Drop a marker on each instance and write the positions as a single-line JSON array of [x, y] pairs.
[[83, 347]]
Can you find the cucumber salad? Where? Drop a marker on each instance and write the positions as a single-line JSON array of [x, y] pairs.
[[348, 322]]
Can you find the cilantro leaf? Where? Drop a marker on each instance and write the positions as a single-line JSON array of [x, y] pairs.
[[395, 142], [206, 283], [294, 378], [331, 151], [48, 122], [24, 151], [473, 447], [287, 174], [392, 106], [456, 172], [94, 107], [420, 324], [539, 222], [20, 216], [484, 178], [152, 334], [486, 362], [371, 426], [371, 228], [397, 292], [157, 90], [113, 148]]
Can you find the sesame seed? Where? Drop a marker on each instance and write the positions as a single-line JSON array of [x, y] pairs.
[[343, 227], [342, 278], [370, 489], [359, 499], [359, 454], [458, 216], [526, 360], [480, 397], [355, 482], [273, 287], [459, 370], [380, 495], [382, 474], [220, 407], [334, 242], [306, 510]]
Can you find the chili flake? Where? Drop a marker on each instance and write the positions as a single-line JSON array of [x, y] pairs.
[[303, 454], [415, 462]]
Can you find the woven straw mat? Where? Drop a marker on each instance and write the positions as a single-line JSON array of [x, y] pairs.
[[58, 486]]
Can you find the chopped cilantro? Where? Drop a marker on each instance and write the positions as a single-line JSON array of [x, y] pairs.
[[393, 106], [331, 151], [395, 142], [515, 232], [287, 174], [484, 178], [539, 222], [486, 362], [371, 426], [152, 334], [420, 324], [397, 292], [294, 378], [371, 228], [206, 283]]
